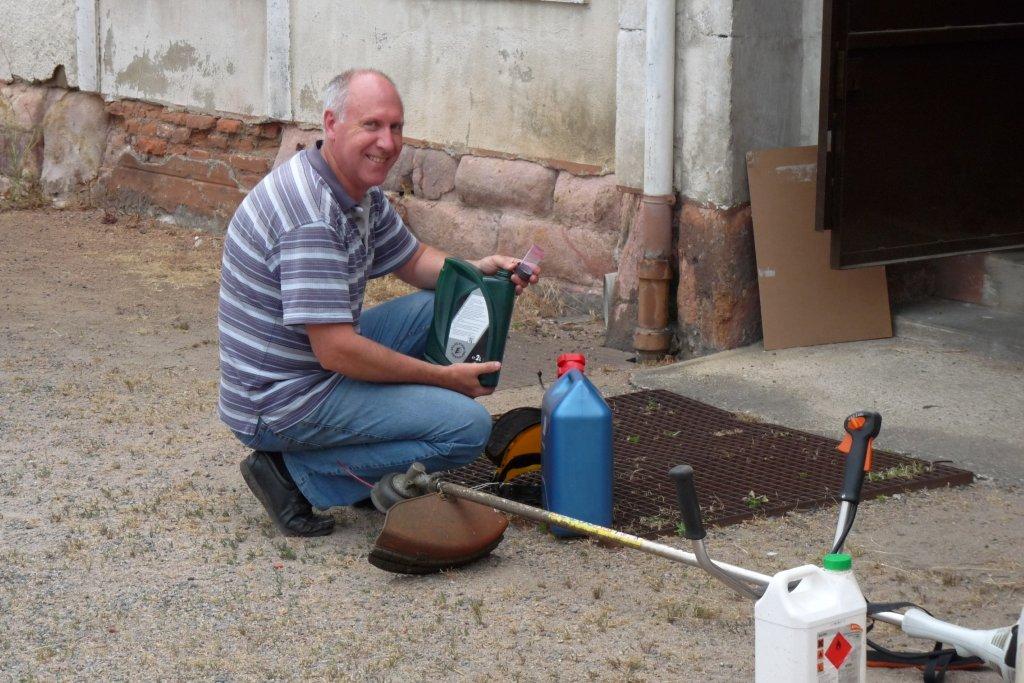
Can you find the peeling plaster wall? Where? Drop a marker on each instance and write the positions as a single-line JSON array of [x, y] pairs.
[[520, 76], [203, 54], [35, 38], [545, 80]]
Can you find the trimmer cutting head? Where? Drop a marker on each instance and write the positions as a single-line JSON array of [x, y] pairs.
[[432, 533]]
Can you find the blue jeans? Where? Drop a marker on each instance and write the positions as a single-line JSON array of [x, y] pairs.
[[365, 430]]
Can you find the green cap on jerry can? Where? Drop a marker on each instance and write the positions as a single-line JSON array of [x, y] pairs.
[[838, 562]]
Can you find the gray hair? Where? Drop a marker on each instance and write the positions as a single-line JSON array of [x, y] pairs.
[[336, 92]]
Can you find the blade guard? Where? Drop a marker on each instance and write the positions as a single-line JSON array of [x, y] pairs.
[[432, 533], [858, 445]]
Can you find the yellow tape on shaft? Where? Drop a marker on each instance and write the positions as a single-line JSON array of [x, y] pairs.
[[595, 530]]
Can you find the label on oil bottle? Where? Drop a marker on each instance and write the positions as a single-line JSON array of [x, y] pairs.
[[839, 654], [468, 326]]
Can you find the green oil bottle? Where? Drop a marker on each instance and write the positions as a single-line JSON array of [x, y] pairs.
[[472, 313]]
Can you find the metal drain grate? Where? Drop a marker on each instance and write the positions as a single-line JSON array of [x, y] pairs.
[[742, 468]]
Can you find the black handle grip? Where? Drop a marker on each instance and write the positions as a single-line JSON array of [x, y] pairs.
[[862, 428], [688, 507]]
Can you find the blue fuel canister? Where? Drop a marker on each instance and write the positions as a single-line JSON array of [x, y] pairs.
[[576, 447]]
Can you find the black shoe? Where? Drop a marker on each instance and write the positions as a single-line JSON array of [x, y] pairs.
[[287, 507]]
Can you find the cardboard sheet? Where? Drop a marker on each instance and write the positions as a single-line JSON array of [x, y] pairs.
[[804, 301]]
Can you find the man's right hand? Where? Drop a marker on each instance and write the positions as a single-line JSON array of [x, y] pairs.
[[465, 377], [340, 348]]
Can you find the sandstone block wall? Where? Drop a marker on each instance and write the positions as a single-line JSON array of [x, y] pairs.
[[716, 305], [197, 167], [23, 110], [476, 205]]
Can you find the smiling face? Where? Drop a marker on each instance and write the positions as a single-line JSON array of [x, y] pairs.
[[363, 144]]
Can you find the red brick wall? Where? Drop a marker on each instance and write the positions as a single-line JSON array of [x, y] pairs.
[[189, 164]]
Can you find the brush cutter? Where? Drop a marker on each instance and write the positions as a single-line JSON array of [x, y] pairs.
[[450, 525]]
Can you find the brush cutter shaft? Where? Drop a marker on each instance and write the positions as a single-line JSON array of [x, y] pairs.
[[604, 533], [705, 562], [846, 509]]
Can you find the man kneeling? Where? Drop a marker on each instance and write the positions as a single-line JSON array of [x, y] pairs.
[[332, 397]]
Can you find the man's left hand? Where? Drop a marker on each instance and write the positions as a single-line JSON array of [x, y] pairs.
[[489, 265]]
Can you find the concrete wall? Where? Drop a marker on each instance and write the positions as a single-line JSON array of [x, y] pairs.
[[810, 71], [533, 78], [197, 53], [767, 53], [629, 95], [35, 38], [746, 78], [538, 79]]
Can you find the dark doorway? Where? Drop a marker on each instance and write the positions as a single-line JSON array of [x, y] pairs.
[[921, 142]]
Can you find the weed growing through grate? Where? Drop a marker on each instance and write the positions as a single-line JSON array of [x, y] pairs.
[[905, 471], [755, 501], [654, 522]]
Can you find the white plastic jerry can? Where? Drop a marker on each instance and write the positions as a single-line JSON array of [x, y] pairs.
[[1019, 659], [814, 632]]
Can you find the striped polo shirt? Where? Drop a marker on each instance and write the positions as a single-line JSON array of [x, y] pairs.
[[298, 250]]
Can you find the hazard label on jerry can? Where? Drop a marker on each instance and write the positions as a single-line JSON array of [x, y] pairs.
[[838, 654]]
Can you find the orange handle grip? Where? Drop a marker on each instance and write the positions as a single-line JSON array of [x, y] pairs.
[[858, 445]]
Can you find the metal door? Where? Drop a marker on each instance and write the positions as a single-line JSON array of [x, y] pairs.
[[921, 137]]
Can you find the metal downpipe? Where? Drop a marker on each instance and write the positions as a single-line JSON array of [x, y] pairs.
[[652, 338]]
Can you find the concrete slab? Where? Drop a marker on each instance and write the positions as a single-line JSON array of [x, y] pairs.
[[1005, 280], [962, 326], [936, 404]]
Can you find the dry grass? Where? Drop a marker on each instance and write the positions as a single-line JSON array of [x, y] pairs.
[[538, 301], [24, 194], [384, 289], [132, 549], [191, 259], [187, 260], [25, 191]]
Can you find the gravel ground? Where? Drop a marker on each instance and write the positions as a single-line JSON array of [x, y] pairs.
[[131, 549]]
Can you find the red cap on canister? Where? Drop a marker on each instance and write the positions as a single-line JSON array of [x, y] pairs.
[[569, 361]]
